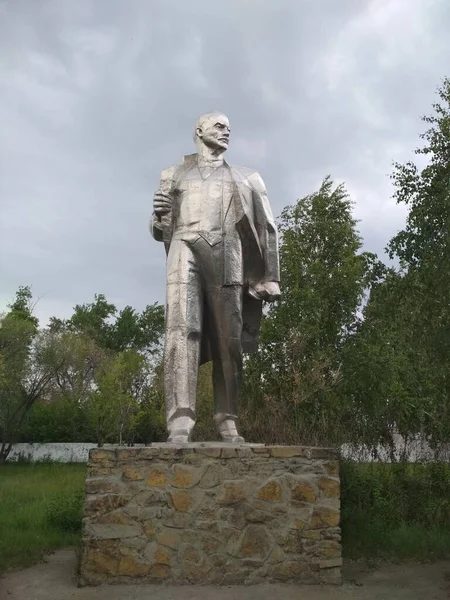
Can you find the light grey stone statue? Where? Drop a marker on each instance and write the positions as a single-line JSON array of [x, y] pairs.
[[222, 262]]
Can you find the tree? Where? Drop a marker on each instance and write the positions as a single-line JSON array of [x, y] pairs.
[[291, 382], [423, 249], [23, 378], [116, 330], [397, 366]]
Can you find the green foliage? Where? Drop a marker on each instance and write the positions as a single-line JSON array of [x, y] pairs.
[[64, 512], [61, 420], [292, 382], [116, 330], [397, 366], [423, 249], [395, 510], [26, 491], [22, 380]]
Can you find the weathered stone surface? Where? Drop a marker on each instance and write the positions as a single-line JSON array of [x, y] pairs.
[[168, 538], [330, 487], [303, 491], [255, 543], [330, 549], [331, 562], [211, 478], [324, 517], [191, 554], [149, 530], [109, 532], [103, 486], [131, 474], [293, 542], [286, 451], [181, 501], [287, 570], [229, 453], [104, 503], [178, 520], [258, 512], [161, 556], [311, 535], [211, 452], [185, 477], [277, 555], [332, 468], [151, 497], [99, 454], [231, 493], [131, 567], [157, 478], [116, 517], [195, 573], [106, 563], [271, 492], [230, 514]]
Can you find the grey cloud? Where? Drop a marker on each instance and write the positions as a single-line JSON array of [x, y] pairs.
[[97, 97]]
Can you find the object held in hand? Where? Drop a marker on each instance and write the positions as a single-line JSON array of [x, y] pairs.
[[162, 204]]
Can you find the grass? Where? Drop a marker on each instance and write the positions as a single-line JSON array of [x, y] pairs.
[[396, 511], [39, 510]]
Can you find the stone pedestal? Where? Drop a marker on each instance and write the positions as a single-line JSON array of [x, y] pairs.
[[212, 513]]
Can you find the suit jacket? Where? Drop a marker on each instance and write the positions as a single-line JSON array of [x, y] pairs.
[[258, 233]]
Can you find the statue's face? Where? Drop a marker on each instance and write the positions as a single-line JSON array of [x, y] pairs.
[[215, 132]]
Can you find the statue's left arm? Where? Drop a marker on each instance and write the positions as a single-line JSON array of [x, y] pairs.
[[266, 229]]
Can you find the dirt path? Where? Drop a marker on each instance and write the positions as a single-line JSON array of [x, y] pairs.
[[55, 580]]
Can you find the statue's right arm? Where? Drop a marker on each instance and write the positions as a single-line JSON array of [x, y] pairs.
[[165, 187], [155, 228]]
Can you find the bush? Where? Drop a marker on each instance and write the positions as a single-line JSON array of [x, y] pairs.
[[61, 420], [65, 512], [396, 510]]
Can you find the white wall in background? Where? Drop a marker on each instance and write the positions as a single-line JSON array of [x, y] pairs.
[[416, 451]]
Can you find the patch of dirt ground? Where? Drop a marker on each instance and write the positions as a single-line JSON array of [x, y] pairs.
[[55, 579]]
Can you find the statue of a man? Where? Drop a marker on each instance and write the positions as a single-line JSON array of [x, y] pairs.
[[222, 262]]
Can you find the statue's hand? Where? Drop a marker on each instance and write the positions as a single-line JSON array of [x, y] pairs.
[[268, 290], [162, 204]]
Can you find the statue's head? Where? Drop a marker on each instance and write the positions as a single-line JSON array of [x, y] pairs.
[[212, 130]]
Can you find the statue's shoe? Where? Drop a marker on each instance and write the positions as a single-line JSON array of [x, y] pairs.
[[232, 439], [179, 436], [228, 432]]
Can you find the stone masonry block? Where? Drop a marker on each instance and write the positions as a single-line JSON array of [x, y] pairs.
[[209, 513]]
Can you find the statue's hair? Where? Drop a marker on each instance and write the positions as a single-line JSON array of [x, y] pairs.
[[202, 118]]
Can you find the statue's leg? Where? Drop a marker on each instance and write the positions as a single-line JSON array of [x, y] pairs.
[[226, 304], [184, 312]]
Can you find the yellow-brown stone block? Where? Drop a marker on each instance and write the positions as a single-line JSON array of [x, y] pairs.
[[184, 478], [130, 474], [157, 478], [303, 492], [286, 451], [131, 567], [324, 517], [271, 492], [231, 493], [115, 518], [103, 562], [161, 557], [181, 500], [149, 530], [330, 487], [169, 539]]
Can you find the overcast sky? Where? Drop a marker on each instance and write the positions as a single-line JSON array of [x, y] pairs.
[[97, 96]]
